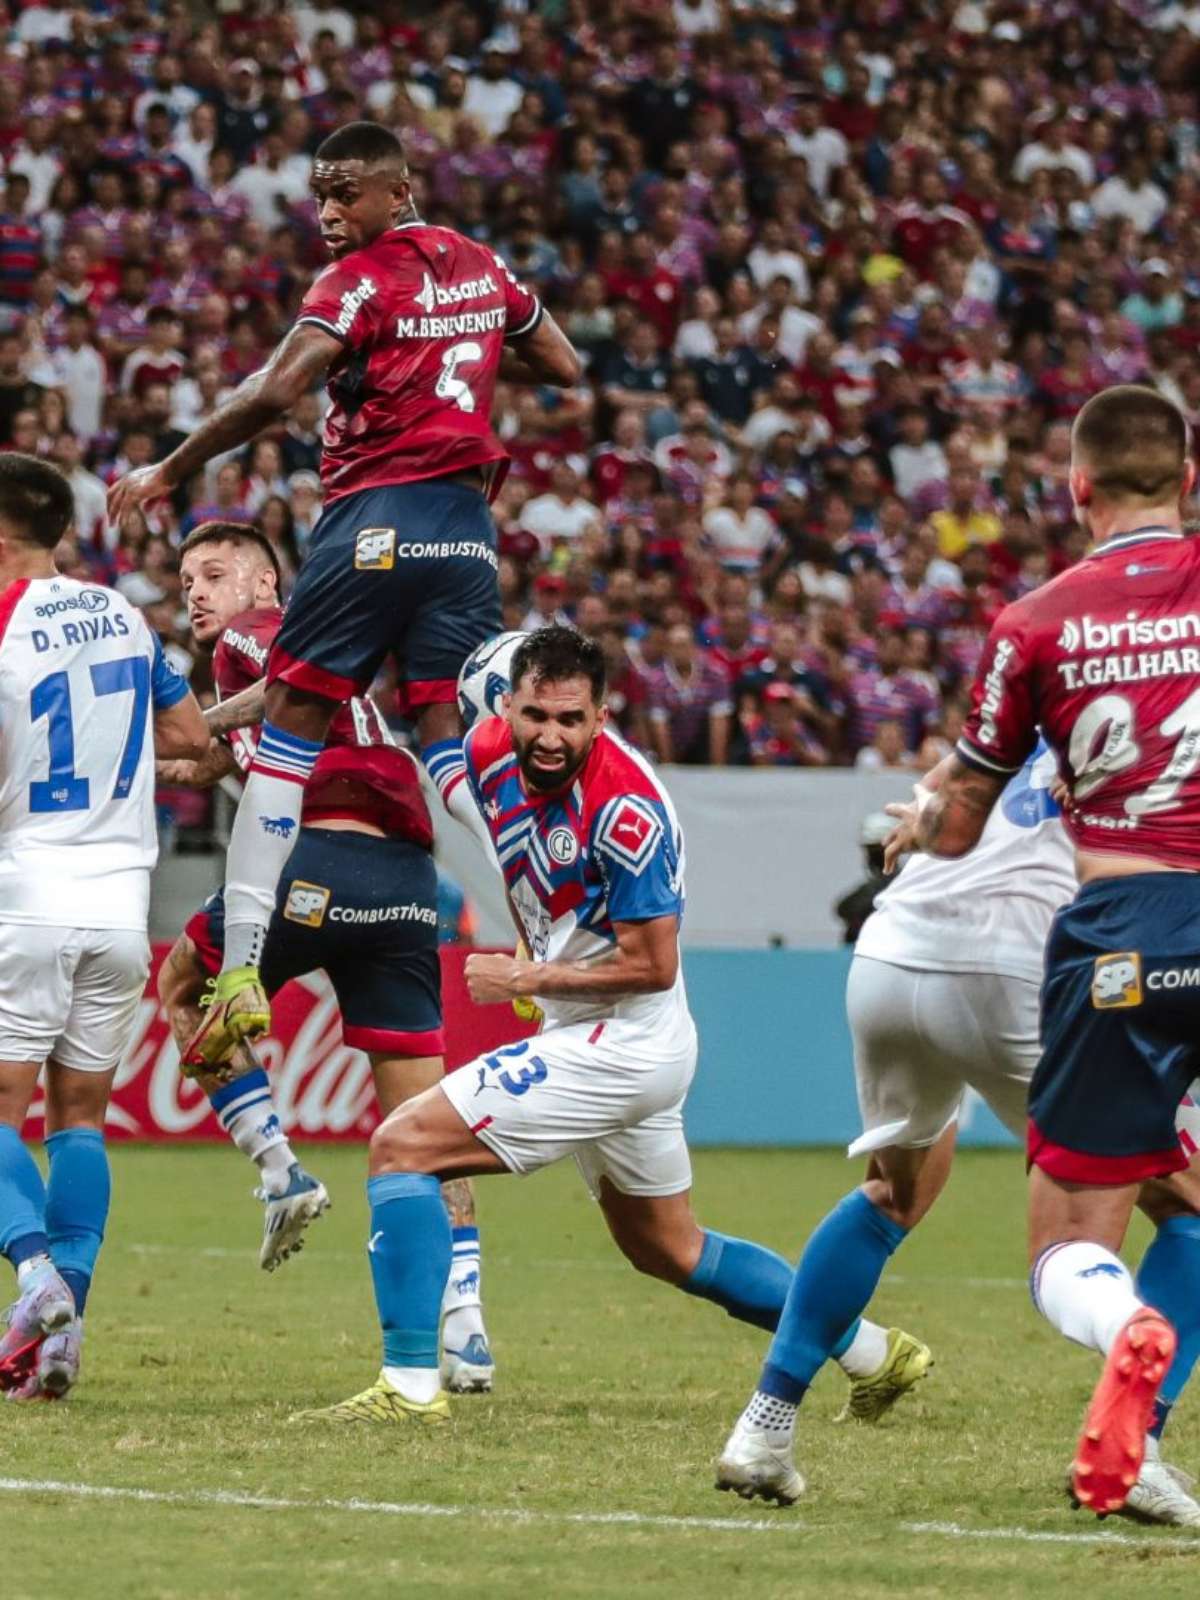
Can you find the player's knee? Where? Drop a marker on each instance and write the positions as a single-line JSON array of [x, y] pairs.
[[399, 1144], [898, 1198]]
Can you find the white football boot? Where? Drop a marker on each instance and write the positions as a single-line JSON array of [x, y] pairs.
[[757, 1469]]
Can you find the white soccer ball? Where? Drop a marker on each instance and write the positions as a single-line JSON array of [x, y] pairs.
[[483, 681]]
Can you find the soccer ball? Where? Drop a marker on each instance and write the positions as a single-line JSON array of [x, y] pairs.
[[483, 681]]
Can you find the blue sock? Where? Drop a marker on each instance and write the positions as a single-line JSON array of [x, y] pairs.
[[77, 1198], [22, 1201], [1169, 1280], [410, 1260], [749, 1280], [838, 1273]]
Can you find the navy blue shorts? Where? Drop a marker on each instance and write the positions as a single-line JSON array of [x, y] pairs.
[[1120, 1030], [407, 571], [365, 910]]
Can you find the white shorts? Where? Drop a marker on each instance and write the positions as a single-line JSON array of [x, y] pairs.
[[922, 1038], [70, 994], [605, 1092]]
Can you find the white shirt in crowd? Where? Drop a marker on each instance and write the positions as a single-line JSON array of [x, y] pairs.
[[90, 505], [1144, 207], [81, 374], [42, 170], [312, 20], [915, 464], [739, 542], [825, 151], [548, 517], [492, 102], [265, 187], [796, 328], [1037, 157], [767, 264]]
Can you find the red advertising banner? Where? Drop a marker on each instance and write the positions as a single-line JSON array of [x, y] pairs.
[[322, 1088]]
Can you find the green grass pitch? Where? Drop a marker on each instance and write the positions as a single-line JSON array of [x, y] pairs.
[[614, 1394]]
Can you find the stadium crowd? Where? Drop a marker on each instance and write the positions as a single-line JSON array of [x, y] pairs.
[[841, 273]]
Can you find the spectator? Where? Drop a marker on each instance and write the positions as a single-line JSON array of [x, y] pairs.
[[964, 520], [887, 691], [563, 515], [738, 530], [916, 459], [689, 705], [887, 750], [780, 737]]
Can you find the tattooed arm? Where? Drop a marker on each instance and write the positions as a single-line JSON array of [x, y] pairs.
[[948, 819]]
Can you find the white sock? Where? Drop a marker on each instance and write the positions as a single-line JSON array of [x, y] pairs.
[[246, 1111], [29, 1266], [776, 1419], [866, 1352], [447, 768], [264, 833], [1085, 1292], [419, 1384], [462, 1312]]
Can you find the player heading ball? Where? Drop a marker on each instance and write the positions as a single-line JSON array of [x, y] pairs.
[[410, 327]]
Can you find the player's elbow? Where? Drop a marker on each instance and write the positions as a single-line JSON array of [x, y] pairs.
[[661, 971]]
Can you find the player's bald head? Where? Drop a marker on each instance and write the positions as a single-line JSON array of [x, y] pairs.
[[1129, 447]]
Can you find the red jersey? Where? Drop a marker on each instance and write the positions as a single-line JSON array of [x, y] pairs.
[[362, 775], [1106, 659], [423, 314]]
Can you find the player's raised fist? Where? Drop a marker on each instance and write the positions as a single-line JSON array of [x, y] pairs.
[[136, 487], [493, 979]]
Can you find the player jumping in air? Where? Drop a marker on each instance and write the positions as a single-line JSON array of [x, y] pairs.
[[1106, 659], [85, 697], [592, 857], [357, 897], [413, 325], [943, 995]]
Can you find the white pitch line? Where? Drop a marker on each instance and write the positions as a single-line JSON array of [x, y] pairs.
[[954, 1530], [592, 1519], [391, 1508]]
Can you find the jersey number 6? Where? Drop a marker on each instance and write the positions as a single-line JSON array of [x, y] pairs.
[[449, 385]]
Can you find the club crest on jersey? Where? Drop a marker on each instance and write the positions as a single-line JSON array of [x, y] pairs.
[[1117, 981], [375, 549], [631, 832], [306, 904], [562, 846]]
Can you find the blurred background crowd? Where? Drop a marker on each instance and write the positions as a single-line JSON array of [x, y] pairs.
[[841, 273]]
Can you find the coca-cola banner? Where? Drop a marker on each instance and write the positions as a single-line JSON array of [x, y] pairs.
[[322, 1088]]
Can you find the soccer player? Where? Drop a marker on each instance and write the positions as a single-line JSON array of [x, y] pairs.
[[412, 324], [85, 698], [358, 897], [1105, 659], [943, 995], [593, 864]]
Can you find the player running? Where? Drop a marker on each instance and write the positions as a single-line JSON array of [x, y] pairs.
[[593, 861], [1104, 658], [412, 324], [358, 898], [943, 995], [85, 698]]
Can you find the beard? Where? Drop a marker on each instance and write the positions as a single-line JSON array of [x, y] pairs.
[[543, 780]]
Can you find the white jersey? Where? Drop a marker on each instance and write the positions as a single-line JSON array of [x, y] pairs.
[[80, 675], [990, 910]]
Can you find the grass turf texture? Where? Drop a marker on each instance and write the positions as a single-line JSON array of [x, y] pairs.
[[614, 1394]]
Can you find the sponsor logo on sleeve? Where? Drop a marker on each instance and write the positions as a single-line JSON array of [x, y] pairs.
[[630, 833], [375, 550], [306, 904], [1117, 981], [993, 691], [352, 303]]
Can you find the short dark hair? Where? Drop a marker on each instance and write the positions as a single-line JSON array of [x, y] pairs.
[[551, 655], [36, 501], [1133, 442], [236, 533], [361, 141]]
